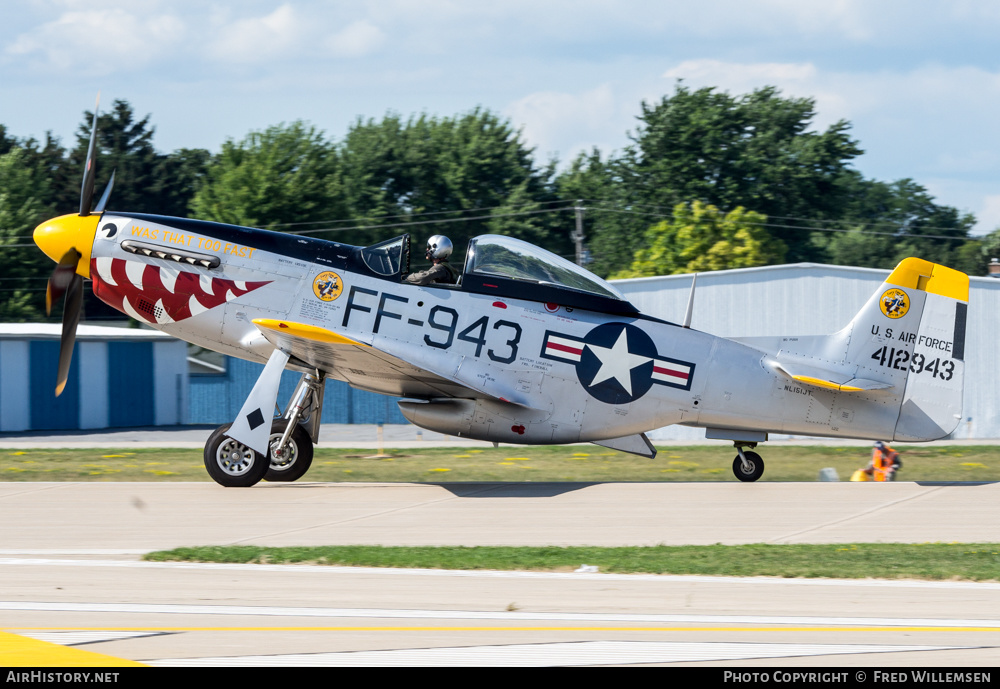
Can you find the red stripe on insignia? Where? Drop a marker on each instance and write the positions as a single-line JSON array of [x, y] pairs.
[[671, 372], [564, 348]]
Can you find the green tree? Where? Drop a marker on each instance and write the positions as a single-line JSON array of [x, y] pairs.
[[146, 181], [701, 238], [460, 176], [615, 219], [123, 145], [178, 177], [22, 286], [6, 142], [888, 221], [757, 151], [274, 178]]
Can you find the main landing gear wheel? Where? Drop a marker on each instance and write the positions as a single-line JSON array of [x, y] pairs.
[[230, 463], [294, 461], [753, 470]]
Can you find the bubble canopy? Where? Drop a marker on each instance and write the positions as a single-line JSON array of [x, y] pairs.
[[505, 266]]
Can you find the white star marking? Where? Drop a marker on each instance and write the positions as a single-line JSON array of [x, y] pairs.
[[617, 362]]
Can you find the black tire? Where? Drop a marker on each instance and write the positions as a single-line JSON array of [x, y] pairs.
[[230, 463], [299, 453], [756, 467]]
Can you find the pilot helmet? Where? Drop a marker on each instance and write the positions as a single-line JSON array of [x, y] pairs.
[[438, 246]]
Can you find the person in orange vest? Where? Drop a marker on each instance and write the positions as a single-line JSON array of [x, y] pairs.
[[885, 463]]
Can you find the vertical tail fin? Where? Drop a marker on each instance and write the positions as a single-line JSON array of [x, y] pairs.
[[901, 359], [932, 401], [912, 333]]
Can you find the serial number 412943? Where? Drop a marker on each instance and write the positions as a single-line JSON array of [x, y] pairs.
[[901, 360]]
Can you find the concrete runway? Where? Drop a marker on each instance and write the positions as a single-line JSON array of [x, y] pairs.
[[69, 563]]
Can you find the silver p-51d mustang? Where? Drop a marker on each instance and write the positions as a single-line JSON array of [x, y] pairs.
[[527, 348]]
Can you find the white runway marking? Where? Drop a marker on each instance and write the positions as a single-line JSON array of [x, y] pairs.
[[580, 653], [511, 616], [80, 637], [391, 571]]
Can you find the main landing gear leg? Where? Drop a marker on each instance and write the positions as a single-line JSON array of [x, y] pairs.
[[235, 453], [748, 466], [292, 437], [257, 446]]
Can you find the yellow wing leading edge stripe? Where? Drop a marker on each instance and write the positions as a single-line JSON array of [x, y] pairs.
[[916, 273], [306, 332]]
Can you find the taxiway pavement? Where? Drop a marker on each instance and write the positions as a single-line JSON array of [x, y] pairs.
[[71, 573]]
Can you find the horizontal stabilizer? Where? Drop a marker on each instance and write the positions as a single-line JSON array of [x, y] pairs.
[[830, 380], [637, 444]]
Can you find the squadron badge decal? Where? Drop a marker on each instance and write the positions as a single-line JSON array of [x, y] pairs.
[[617, 363], [894, 303], [327, 286]]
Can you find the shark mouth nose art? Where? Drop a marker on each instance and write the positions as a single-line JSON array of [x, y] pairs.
[[161, 294]]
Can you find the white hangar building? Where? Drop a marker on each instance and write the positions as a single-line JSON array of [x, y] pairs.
[[814, 299]]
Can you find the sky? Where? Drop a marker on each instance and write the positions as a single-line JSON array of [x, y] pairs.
[[919, 81]]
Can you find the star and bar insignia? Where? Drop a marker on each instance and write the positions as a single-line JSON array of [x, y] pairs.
[[617, 362]]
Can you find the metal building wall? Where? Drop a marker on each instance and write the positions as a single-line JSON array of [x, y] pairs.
[[812, 299], [117, 379], [217, 398]]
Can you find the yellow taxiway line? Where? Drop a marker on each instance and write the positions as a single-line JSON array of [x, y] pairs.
[[20, 651], [381, 628]]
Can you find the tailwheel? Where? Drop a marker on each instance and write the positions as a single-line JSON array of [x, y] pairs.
[[292, 461], [748, 466], [230, 463]]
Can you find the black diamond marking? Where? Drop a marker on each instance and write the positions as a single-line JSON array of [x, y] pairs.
[[255, 419]]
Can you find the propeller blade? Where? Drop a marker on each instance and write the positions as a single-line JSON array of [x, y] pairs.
[[61, 278], [71, 318], [87, 189], [107, 193]]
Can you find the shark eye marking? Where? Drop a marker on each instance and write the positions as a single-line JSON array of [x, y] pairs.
[[109, 230]]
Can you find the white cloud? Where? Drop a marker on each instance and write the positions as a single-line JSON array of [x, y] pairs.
[[855, 20], [356, 40], [567, 123], [98, 41], [260, 39], [988, 215], [743, 78]]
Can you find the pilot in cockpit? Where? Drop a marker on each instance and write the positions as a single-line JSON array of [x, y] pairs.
[[438, 250]]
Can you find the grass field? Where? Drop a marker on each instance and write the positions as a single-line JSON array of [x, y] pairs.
[[588, 463], [978, 562]]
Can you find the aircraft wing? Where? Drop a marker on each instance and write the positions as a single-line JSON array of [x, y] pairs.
[[398, 368], [361, 365]]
